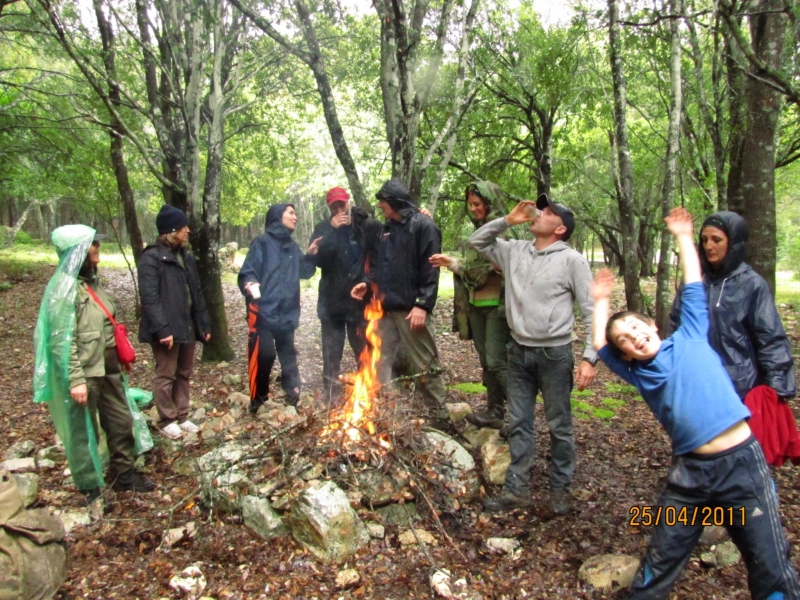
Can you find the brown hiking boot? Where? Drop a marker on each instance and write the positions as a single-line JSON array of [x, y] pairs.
[[488, 418], [505, 500], [559, 501]]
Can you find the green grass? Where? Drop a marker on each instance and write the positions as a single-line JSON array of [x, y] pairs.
[[21, 255], [618, 388], [787, 289], [468, 387]]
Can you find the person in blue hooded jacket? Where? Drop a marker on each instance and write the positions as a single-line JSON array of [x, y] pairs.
[[270, 281]]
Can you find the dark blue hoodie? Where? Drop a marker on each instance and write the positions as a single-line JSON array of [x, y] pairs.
[[276, 262]]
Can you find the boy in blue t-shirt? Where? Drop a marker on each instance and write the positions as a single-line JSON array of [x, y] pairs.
[[718, 473]]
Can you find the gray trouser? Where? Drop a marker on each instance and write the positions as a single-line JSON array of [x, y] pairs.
[[171, 381], [531, 370], [420, 347], [490, 334]]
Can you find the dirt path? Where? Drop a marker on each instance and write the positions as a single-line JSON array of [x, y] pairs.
[[622, 460]]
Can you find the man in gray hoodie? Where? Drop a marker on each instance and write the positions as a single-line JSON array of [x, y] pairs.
[[543, 279]]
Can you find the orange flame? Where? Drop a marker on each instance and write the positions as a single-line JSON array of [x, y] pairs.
[[354, 416]]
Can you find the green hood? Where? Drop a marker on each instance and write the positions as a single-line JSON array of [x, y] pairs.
[[493, 194]]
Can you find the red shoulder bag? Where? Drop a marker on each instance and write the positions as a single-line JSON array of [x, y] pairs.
[[125, 352]]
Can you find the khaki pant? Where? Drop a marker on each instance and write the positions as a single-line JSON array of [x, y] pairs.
[[420, 347], [171, 381], [106, 403]]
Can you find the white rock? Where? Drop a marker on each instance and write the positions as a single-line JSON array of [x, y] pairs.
[[498, 545], [46, 464], [222, 474], [191, 582], [20, 449], [259, 516], [609, 572], [54, 453], [459, 411], [454, 465], [347, 578], [496, 458], [175, 535], [478, 436], [28, 486], [323, 521], [74, 518], [19, 465], [239, 399]]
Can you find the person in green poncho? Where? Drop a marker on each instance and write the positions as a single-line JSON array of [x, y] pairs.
[[478, 303], [77, 371]]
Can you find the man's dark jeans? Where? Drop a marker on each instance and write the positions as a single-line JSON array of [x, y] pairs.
[[532, 370], [333, 335]]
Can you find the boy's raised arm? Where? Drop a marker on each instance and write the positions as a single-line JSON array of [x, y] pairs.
[[601, 292], [679, 223]]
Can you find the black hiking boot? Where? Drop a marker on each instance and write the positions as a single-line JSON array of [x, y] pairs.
[[488, 418], [132, 481], [559, 501], [94, 495], [505, 500]]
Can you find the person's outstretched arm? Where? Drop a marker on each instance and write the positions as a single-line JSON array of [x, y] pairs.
[[679, 223], [602, 287]]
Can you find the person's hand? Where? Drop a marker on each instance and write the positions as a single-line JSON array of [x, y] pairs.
[[208, 336], [518, 214], [359, 291], [426, 212], [127, 368], [585, 375], [167, 341], [679, 222], [417, 317], [603, 284], [314, 246], [441, 260], [340, 219], [79, 393]]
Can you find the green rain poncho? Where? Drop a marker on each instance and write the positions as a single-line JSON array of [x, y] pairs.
[[52, 341], [474, 267]]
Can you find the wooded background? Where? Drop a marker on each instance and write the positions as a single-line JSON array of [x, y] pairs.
[[110, 108]]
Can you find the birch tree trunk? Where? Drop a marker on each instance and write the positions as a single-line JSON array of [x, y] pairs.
[[663, 304], [623, 176]]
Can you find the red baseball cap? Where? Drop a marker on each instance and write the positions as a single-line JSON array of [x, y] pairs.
[[337, 194]]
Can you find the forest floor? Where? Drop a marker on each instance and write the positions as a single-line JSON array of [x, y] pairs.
[[622, 460]]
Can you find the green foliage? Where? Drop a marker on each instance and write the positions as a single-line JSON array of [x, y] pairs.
[[469, 387], [613, 402], [584, 411], [23, 238], [619, 388]]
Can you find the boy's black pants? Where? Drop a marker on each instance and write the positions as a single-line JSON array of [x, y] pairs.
[[734, 479]]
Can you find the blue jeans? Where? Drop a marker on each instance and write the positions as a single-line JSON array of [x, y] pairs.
[[532, 370]]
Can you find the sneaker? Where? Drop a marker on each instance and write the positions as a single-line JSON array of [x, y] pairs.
[[559, 501], [189, 427], [488, 418], [505, 500], [173, 431], [132, 481]]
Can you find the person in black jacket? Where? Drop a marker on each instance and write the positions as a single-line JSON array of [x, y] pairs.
[[408, 284], [744, 326], [174, 317], [270, 281], [341, 256]]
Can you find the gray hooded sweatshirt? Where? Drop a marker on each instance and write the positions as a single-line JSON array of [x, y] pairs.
[[541, 287]]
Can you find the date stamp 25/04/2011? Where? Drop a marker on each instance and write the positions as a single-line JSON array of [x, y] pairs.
[[646, 516]]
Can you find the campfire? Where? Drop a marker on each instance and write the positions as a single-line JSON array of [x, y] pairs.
[[353, 420]]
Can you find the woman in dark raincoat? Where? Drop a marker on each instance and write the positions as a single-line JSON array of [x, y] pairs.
[[479, 313], [744, 326], [270, 282]]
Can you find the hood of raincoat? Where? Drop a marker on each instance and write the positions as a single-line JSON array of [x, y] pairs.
[[274, 222], [737, 230], [395, 193], [52, 342], [492, 195]]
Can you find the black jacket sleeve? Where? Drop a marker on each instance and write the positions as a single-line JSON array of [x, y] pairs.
[[771, 346], [252, 266], [675, 314], [201, 316], [429, 242], [152, 305]]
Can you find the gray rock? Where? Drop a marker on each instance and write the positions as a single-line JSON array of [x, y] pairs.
[[723, 555], [19, 465], [46, 464], [20, 449], [378, 488], [232, 380], [239, 399], [323, 521], [609, 572], [28, 486], [185, 465], [376, 530], [223, 476], [496, 458], [54, 453], [259, 516], [478, 436], [277, 418], [398, 514], [499, 545], [456, 466], [74, 518]]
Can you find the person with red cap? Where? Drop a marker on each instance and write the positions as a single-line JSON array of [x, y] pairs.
[[341, 258]]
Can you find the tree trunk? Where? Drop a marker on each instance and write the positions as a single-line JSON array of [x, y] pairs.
[[663, 304], [764, 103], [21, 221], [734, 64], [624, 172]]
